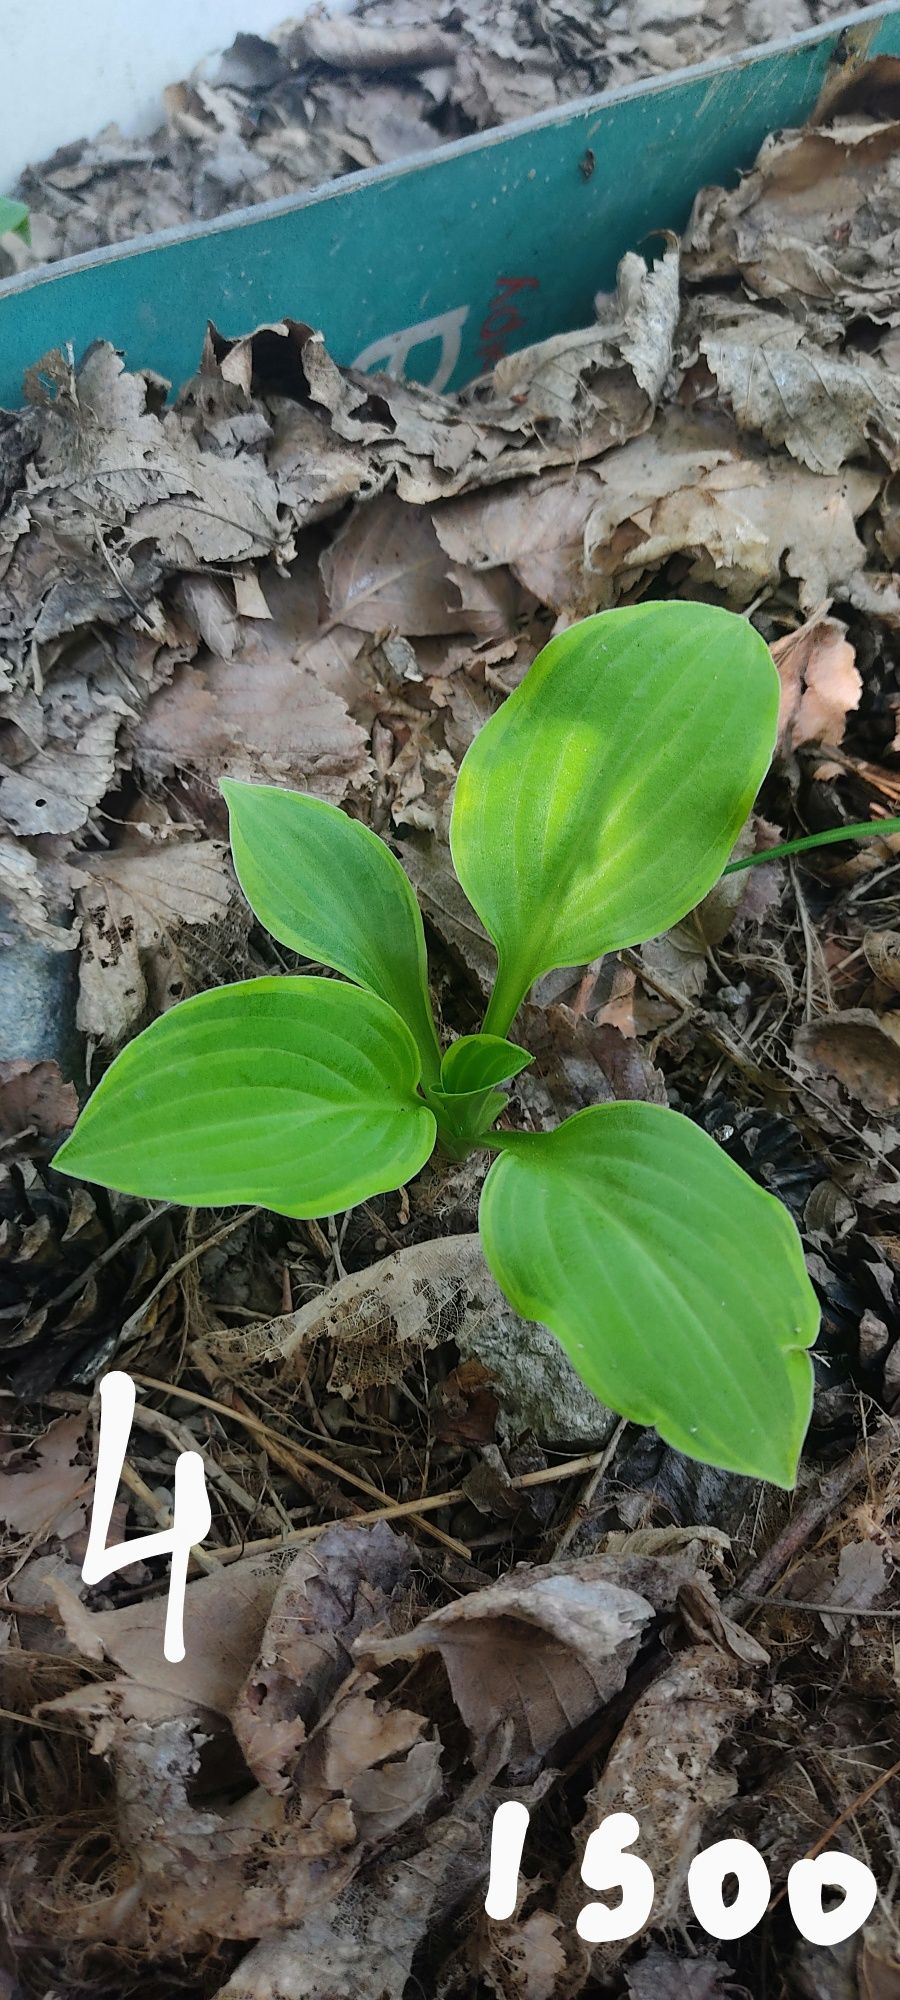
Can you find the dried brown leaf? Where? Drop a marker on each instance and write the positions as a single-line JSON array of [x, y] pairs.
[[859, 1048], [662, 1769], [330, 1594], [820, 683], [46, 1487], [538, 1652], [386, 571], [381, 1321], [35, 1097], [134, 907]]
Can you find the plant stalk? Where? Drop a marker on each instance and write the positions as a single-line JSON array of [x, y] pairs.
[[865, 829]]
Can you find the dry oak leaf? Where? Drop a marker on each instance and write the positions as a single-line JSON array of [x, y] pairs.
[[536, 527], [46, 1487], [692, 487], [258, 716], [861, 1049], [820, 683], [822, 405], [133, 907], [385, 571], [108, 459], [538, 1652]]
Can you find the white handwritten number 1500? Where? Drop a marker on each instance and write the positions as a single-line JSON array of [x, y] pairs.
[[607, 1865]]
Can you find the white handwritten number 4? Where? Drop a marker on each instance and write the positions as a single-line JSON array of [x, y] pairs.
[[607, 1866], [191, 1515]]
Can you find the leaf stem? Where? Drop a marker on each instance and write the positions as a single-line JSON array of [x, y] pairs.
[[504, 1004], [865, 829]]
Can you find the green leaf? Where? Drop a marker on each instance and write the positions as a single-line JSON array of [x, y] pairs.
[[676, 1286], [465, 1116], [603, 799], [475, 1062], [329, 888], [299, 1094], [14, 219]]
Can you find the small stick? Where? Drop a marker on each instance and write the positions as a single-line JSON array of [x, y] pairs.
[[866, 1459], [825, 1610], [855, 1806], [402, 1509], [580, 1509], [206, 1558], [190, 1256], [301, 1451]]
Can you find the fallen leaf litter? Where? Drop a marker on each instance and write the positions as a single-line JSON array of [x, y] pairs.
[[292, 576]]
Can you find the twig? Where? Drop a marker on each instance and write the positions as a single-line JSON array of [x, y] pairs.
[[206, 1558], [132, 1324], [825, 1610], [301, 1452], [579, 1511], [112, 1250], [404, 1509], [866, 1459], [855, 1806]]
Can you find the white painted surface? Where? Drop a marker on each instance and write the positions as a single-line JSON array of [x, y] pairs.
[[69, 67]]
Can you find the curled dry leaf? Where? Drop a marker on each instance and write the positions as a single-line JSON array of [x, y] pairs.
[[531, 1657], [820, 683], [662, 1769], [861, 1049], [814, 224], [882, 949], [330, 1594], [382, 1319]]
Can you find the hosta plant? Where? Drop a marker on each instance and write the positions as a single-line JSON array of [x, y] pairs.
[[593, 811]]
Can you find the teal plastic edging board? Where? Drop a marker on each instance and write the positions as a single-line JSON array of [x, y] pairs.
[[436, 267]]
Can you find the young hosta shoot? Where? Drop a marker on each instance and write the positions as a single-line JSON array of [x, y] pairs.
[[593, 811]]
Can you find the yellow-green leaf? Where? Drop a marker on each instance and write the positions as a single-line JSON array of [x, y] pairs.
[[676, 1286], [298, 1094], [603, 799], [326, 886]]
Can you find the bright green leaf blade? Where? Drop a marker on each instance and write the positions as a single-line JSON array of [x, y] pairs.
[[466, 1115], [329, 888], [676, 1286], [299, 1094], [603, 799], [476, 1062], [14, 218]]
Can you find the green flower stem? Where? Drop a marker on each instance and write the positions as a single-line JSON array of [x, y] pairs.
[[865, 829]]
